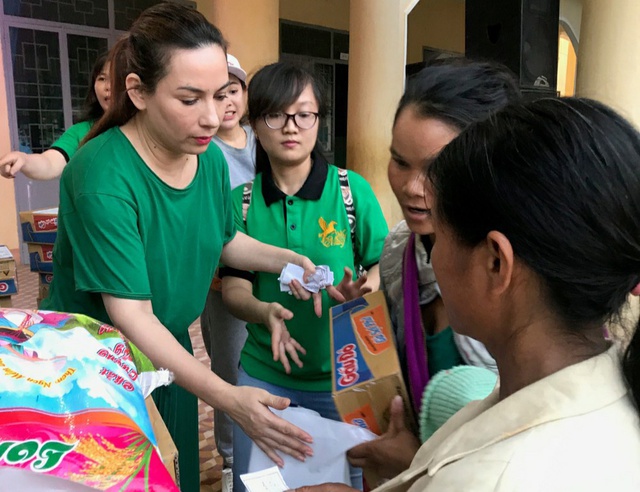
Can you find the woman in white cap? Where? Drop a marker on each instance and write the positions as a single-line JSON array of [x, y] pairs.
[[224, 335]]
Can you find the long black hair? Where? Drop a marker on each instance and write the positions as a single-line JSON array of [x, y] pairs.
[[146, 51], [561, 179], [459, 92], [92, 110], [275, 87]]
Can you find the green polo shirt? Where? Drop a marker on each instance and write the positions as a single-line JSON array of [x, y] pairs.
[[69, 141], [123, 231], [313, 223]]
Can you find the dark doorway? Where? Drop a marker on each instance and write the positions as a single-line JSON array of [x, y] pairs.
[[341, 100]]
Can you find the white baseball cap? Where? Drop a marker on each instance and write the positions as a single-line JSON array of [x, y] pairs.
[[235, 69]]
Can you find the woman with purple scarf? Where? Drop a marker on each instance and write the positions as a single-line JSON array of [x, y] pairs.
[[440, 101]]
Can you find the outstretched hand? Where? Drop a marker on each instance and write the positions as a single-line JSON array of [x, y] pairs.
[[391, 453], [250, 409], [350, 289], [282, 343]]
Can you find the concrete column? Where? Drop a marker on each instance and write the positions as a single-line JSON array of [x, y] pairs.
[[377, 54], [609, 71], [609, 55], [251, 28]]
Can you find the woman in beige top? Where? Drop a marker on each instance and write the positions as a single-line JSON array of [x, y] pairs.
[[537, 223]]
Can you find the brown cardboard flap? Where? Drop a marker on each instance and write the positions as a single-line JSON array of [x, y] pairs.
[[168, 450]]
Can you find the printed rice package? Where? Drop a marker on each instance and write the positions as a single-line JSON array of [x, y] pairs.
[[71, 407]]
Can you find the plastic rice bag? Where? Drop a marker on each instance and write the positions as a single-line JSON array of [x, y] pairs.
[[71, 406]]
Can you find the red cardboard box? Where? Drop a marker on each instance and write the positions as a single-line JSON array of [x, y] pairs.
[[39, 226]]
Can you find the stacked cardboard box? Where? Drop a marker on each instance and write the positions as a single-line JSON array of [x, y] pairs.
[[8, 277], [39, 231]]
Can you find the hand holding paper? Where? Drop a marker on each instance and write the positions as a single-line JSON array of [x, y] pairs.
[[322, 278], [292, 281], [331, 440]]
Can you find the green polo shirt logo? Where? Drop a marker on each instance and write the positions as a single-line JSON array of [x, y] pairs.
[[329, 235]]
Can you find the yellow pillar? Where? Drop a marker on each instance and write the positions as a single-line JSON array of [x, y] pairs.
[[251, 27], [609, 71], [609, 55], [377, 54]]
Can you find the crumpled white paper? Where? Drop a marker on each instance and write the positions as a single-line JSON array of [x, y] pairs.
[[148, 381], [318, 281], [331, 441]]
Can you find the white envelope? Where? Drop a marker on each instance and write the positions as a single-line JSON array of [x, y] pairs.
[[331, 441]]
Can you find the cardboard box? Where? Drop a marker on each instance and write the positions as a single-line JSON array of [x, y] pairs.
[[45, 278], [41, 257], [366, 369], [365, 366], [168, 450], [7, 263], [39, 226], [8, 273], [8, 287], [43, 291]]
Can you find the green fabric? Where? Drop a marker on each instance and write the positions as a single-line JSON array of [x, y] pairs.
[[442, 352], [179, 411], [269, 224], [123, 231], [449, 391], [69, 141]]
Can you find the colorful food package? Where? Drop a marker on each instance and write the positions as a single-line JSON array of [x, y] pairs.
[[71, 407]]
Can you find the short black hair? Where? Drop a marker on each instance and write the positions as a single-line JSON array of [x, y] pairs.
[[275, 87], [459, 91]]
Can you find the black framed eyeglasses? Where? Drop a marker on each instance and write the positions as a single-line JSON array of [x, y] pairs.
[[303, 120]]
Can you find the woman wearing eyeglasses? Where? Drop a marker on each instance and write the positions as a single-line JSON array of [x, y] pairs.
[[296, 200]]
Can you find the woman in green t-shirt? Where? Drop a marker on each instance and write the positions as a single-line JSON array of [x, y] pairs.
[[297, 202], [50, 164], [145, 217]]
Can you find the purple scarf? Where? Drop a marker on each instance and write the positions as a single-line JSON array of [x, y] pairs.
[[415, 347]]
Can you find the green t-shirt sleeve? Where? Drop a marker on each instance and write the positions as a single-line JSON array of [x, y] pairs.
[[371, 226], [239, 226], [234, 214], [108, 252], [230, 224], [69, 141]]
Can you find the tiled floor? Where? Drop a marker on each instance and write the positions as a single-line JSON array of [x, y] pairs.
[[210, 460]]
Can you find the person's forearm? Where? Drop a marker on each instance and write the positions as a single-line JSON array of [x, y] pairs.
[[247, 406], [240, 301], [373, 278], [144, 329], [245, 253], [45, 166]]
